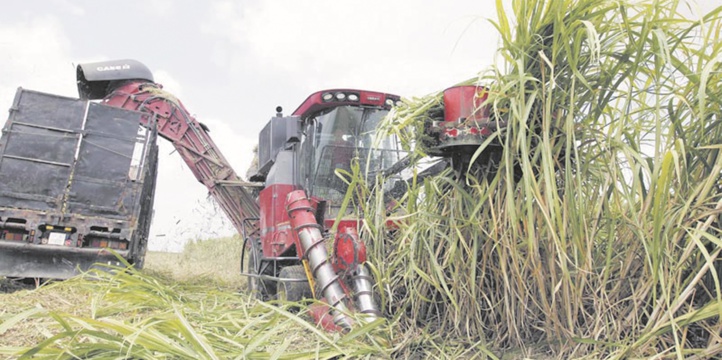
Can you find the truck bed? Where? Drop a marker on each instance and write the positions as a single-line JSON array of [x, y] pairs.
[[77, 179]]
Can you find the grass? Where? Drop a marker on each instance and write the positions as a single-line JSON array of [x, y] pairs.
[[217, 261], [169, 310], [132, 315], [211, 263]]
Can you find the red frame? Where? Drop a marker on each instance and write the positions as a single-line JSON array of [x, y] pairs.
[[315, 103]]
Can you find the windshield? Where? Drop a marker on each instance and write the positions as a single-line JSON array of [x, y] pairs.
[[342, 134]]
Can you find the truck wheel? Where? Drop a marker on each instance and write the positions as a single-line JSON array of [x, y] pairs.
[[296, 290], [138, 262], [261, 289]]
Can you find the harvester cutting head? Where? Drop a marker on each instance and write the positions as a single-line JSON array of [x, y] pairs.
[[465, 125], [466, 121]]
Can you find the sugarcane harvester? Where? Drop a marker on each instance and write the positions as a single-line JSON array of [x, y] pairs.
[[286, 226]]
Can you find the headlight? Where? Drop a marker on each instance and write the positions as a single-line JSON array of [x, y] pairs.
[[340, 96]]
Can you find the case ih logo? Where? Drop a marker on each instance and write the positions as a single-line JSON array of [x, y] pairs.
[[113, 67]]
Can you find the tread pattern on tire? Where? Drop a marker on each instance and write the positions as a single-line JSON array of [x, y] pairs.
[[297, 290]]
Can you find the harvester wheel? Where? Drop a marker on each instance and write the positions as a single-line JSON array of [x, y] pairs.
[[293, 290], [261, 289]]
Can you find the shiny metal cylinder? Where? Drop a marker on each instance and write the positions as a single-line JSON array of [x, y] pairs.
[[362, 283], [314, 249]]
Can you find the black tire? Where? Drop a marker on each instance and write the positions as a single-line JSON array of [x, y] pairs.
[[138, 262], [261, 289], [295, 290]]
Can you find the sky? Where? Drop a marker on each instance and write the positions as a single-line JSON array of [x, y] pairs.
[[232, 62]]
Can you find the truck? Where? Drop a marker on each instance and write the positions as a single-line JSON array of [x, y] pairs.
[[77, 180], [301, 242]]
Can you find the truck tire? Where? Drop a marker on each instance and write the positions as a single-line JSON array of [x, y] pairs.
[[138, 262], [296, 290]]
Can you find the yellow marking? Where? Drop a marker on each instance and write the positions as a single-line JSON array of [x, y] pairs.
[[67, 229], [48, 227], [309, 276]]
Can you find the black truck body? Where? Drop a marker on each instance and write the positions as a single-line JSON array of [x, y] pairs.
[[77, 179]]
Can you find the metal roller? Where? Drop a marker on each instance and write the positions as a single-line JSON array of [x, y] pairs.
[[303, 221]]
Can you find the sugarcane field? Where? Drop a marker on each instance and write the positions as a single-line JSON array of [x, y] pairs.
[[562, 200]]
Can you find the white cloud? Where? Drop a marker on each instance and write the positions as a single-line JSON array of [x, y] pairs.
[[35, 55], [70, 7], [412, 46], [161, 7]]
